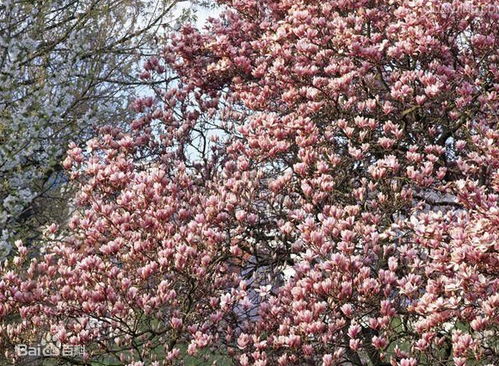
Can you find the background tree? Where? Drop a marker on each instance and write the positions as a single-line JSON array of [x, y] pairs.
[[320, 187], [65, 67]]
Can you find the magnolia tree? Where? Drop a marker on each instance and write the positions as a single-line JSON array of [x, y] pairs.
[[319, 188]]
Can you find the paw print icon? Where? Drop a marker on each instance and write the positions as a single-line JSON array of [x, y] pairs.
[[51, 347]]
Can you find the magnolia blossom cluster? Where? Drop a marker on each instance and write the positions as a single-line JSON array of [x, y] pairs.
[[319, 188]]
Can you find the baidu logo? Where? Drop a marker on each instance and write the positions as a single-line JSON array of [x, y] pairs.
[[50, 347]]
